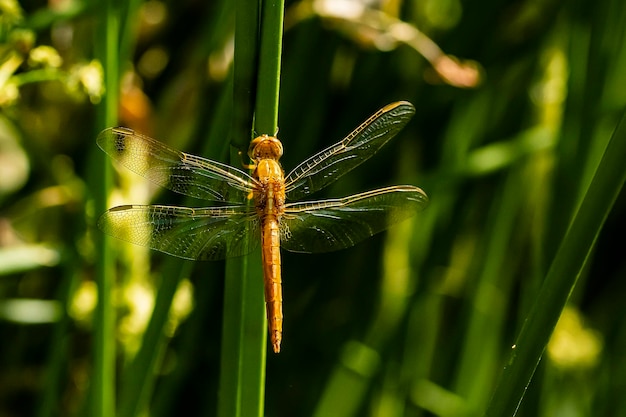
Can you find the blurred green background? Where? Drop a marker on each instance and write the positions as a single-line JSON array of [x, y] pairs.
[[515, 102]]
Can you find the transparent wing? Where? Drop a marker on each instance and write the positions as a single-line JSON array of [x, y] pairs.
[[191, 233], [326, 166], [328, 225], [178, 171]]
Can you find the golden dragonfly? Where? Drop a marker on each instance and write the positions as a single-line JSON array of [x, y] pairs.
[[275, 218]]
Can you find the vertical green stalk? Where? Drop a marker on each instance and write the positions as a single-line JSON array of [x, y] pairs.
[[244, 73], [561, 278], [139, 377], [59, 346], [266, 109], [266, 122], [230, 400], [103, 379], [244, 345]]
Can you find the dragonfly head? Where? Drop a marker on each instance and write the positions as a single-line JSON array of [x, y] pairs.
[[265, 147]]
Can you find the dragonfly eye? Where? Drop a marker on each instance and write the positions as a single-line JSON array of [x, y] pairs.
[[265, 147]]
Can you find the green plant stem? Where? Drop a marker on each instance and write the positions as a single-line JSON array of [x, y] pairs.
[[244, 69], [59, 346], [242, 378], [231, 400], [139, 375], [103, 385], [36, 76], [266, 121], [266, 109], [562, 276]]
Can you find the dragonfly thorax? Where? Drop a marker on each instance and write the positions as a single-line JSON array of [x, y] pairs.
[[265, 147]]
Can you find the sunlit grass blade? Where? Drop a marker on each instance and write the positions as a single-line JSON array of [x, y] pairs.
[[103, 378], [562, 276], [139, 376], [242, 379], [237, 292]]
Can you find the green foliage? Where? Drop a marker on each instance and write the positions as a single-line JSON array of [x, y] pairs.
[[517, 141]]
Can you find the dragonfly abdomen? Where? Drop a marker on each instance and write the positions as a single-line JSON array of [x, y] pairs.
[[270, 205], [270, 241]]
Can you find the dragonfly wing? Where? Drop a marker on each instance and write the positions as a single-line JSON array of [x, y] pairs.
[[191, 233], [328, 225], [326, 166], [178, 171]]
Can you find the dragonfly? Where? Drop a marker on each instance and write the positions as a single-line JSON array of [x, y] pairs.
[[262, 208]]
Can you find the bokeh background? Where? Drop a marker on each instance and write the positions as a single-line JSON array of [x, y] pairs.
[[515, 103]]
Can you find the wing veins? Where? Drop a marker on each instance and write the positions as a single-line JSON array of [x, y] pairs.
[[209, 233], [178, 171], [328, 225], [331, 163]]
